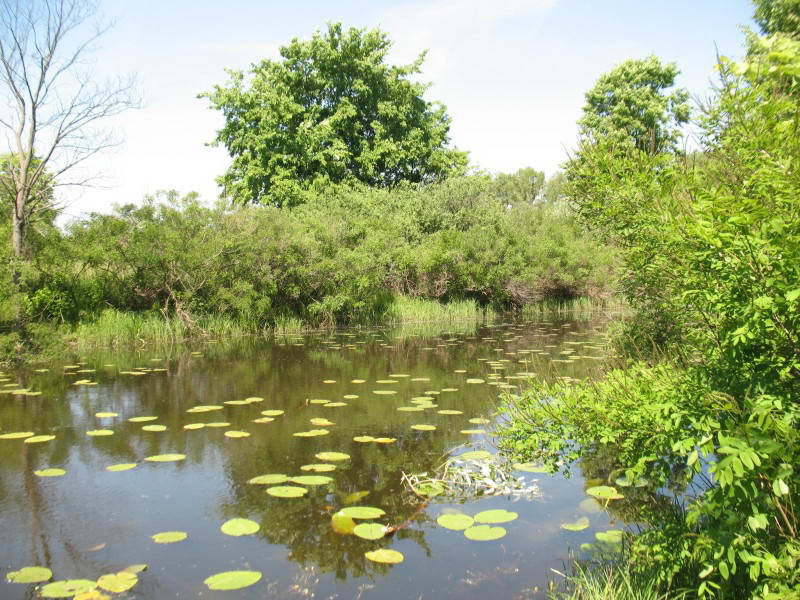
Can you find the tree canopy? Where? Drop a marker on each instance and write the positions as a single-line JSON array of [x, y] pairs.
[[630, 103], [330, 110], [778, 16]]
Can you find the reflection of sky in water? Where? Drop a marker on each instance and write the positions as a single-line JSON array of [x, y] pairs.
[[91, 522]]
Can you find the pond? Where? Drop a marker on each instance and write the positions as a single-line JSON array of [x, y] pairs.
[[81, 495]]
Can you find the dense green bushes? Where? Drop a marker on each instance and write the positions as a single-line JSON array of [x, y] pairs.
[[344, 257], [710, 246]]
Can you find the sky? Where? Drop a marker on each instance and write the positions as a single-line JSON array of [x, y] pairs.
[[512, 73]]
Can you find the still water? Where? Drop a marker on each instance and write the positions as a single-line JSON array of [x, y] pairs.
[[90, 521]]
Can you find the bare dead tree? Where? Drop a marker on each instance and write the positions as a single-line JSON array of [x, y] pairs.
[[52, 105]]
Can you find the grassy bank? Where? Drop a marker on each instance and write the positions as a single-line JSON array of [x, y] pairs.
[[606, 581]]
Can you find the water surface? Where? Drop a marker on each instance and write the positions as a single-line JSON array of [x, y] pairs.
[[90, 521]]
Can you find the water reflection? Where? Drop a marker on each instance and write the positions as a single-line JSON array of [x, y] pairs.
[[91, 522]]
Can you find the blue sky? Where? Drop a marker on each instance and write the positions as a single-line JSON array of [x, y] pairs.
[[511, 72]]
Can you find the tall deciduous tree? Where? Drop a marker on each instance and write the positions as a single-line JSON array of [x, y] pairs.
[[53, 104], [778, 16], [330, 110], [631, 104]]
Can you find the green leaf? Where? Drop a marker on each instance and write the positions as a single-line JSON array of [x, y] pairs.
[[239, 527], [232, 580], [30, 575]]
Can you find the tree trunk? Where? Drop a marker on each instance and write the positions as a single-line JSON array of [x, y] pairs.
[[18, 231]]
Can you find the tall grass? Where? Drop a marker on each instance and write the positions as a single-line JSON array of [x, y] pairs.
[[571, 307], [419, 310], [607, 581]]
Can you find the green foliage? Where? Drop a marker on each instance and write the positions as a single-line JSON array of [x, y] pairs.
[[710, 247], [330, 110], [778, 16], [525, 185], [629, 104]]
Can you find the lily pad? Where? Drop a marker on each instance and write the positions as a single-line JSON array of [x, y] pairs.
[[67, 588], [450, 412], [232, 580], [30, 575], [475, 380], [135, 568], [578, 525], [99, 432], [590, 505], [287, 491], [118, 582], [473, 431], [203, 408], [16, 435], [480, 421], [429, 489], [363, 439], [37, 439], [484, 533], [604, 492], [495, 516], [423, 427], [272, 412], [219, 424], [475, 455], [318, 468], [410, 408], [237, 434], [121, 467], [334, 404], [370, 531], [385, 440], [49, 472], [311, 479], [332, 456], [384, 392], [312, 433], [191, 426], [385, 556], [239, 527], [612, 536], [321, 422], [169, 537], [106, 415], [154, 428], [363, 512], [456, 522], [141, 419], [269, 479], [342, 524], [165, 457], [531, 468], [264, 420]]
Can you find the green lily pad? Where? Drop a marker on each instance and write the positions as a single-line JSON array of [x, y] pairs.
[[269, 479], [49, 472], [475, 380], [16, 435], [604, 492], [272, 413], [118, 582], [232, 580], [169, 537], [342, 524], [106, 415], [363, 439], [385, 556], [312, 433], [121, 467], [475, 455], [318, 468], [135, 568], [237, 434], [423, 427], [334, 404], [264, 420], [370, 531], [165, 457], [473, 431], [218, 424], [410, 408], [363, 512], [612, 536], [450, 412], [480, 421], [484, 533], [321, 422], [332, 456], [429, 489], [67, 588], [204, 408], [590, 505], [30, 575], [287, 491], [192, 426], [531, 468], [311, 479], [384, 392], [456, 522], [141, 419], [239, 527], [37, 439], [385, 440], [578, 525], [495, 516], [154, 428], [99, 432]]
